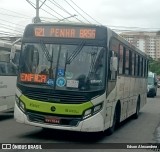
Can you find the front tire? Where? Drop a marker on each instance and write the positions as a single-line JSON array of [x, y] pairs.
[[116, 120], [111, 129]]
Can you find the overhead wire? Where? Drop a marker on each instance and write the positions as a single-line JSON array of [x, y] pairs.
[[85, 12], [62, 8], [12, 23], [10, 26], [71, 4], [17, 13], [33, 4], [77, 11], [9, 34], [12, 15], [52, 9], [50, 14], [11, 29]]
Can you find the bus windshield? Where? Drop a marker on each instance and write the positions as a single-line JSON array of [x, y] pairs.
[[63, 67]]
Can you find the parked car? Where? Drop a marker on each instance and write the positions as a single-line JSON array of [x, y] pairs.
[[158, 84], [152, 85]]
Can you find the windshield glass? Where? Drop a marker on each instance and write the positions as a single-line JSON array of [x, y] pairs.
[[150, 80], [63, 67]]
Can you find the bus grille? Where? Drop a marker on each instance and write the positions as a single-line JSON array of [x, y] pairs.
[[39, 118], [56, 97]]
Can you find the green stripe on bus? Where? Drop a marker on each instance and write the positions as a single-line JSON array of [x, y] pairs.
[[55, 108]]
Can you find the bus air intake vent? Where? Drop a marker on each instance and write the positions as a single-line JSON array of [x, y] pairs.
[[56, 97]]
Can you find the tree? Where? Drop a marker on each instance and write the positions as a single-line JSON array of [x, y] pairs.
[[154, 66]]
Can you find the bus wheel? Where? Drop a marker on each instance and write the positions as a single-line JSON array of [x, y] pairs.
[[135, 116], [111, 129]]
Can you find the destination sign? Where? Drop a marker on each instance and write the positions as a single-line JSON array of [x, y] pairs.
[[28, 77], [65, 32]]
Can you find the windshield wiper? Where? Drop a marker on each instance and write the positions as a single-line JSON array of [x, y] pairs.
[[46, 52], [49, 58], [93, 60], [75, 52]]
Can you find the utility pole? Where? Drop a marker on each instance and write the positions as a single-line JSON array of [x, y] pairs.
[[36, 19]]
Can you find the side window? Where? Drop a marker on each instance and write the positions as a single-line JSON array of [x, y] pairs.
[[145, 68], [11, 70], [142, 74], [140, 66], [2, 68], [121, 51], [133, 64], [16, 58], [7, 69], [126, 62], [136, 65], [114, 44]]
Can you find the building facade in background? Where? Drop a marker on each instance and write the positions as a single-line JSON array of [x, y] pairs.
[[148, 42]]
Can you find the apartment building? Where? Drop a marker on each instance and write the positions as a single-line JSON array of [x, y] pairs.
[[148, 42]]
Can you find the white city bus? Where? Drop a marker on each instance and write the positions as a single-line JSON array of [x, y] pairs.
[[8, 76], [78, 77]]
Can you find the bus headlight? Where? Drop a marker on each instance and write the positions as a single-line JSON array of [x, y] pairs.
[[17, 100], [87, 113], [97, 108], [92, 111], [20, 104]]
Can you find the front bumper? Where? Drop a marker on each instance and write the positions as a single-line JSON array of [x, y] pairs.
[[94, 123]]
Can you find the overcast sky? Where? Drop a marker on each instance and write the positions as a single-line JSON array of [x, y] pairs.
[[126, 13]]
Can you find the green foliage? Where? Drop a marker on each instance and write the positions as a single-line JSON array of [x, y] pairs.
[[154, 66]]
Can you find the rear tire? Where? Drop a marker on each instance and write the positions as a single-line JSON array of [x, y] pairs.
[[155, 93], [135, 116]]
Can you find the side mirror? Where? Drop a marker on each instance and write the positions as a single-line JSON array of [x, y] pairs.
[[13, 49], [13, 52], [114, 64]]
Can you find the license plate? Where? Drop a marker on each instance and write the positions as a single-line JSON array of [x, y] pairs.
[[53, 120]]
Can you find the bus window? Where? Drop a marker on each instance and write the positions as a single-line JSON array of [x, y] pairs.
[[142, 74], [126, 62], [145, 68], [2, 69], [136, 65], [133, 64], [11, 70], [140, 66], [121, 59], [7, 69], [114, 44]]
